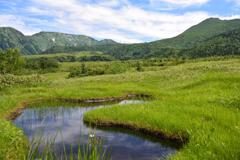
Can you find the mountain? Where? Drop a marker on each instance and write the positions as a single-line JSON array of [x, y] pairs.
[[199, 33], [107, 42], [11, 38], [42, 41], [188, 40], [210, 31], [224, 44]]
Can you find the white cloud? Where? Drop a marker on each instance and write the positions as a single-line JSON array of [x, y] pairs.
[[127, 23], [236, 1], [7, 20], [229, 17], [181, 3]]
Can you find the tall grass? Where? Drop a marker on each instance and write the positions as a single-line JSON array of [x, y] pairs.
[[46, 149]]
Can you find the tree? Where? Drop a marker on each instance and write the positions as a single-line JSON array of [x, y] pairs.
[[10, 61]]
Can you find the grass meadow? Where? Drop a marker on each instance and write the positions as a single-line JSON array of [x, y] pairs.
[[197, 99]]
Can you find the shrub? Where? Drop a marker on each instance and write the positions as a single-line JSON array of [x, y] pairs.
[[109, 68], [43, 63], [10, 61], [139, 67]]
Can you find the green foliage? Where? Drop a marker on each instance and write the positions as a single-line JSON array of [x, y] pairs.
[[13, 143], [74, 57], [93, 150], [44, 64], [10, 61], [139, 67], [95, 58], [91, 70], [179, 107], [225, 44], [9, 80], [116, 67]]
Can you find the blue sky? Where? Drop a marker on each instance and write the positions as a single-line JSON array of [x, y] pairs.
[[127, 21]]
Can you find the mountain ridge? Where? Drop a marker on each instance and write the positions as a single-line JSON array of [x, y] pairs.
[[200, 32], [52, 42], [42, 41]]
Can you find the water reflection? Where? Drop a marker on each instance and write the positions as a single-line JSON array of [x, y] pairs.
[[47, 121]]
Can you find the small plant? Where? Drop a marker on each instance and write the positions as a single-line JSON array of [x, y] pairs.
[[9, 80], [92, 151], [139, 67], [83, 68]]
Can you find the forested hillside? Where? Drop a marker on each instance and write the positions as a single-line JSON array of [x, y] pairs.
[[211, 37]]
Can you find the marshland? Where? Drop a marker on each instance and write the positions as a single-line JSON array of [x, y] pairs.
[[193, 104], [119, 80]]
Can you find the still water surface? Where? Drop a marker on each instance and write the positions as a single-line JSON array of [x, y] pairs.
[[49, 121]]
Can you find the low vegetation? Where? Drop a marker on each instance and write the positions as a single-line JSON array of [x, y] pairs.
[[74, 57], [93, 150], [10, 80], [197, 99], [106, 68]]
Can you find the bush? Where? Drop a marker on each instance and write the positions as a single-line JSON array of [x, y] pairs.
[[44, 64], [95, 58], [109, 68], [139, 67], [10, 61]]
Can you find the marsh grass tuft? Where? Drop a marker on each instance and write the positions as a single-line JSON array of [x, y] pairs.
[[46, 149]]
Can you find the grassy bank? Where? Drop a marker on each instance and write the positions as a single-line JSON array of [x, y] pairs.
[[197, 99]]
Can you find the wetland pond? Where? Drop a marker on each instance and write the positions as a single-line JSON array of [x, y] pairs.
[[48, 120]]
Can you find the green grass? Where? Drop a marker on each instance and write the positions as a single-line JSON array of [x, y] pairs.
[[197, 99], [93, 150]]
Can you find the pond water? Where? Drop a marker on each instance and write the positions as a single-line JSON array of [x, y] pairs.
[[49, 121]]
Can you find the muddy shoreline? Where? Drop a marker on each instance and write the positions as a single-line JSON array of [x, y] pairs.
[[180, 139], [19, 109]]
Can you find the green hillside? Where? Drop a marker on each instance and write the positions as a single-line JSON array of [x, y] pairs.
[[206, 33], [40, 42], [186, 44], [199, 33], [221, 45], [11, 38], [183, 45]]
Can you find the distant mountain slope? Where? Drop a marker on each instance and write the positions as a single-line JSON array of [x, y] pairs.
[[40, 42], [221, 45], [11, 38], [199, 33], [195, 37], [189, 39]]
